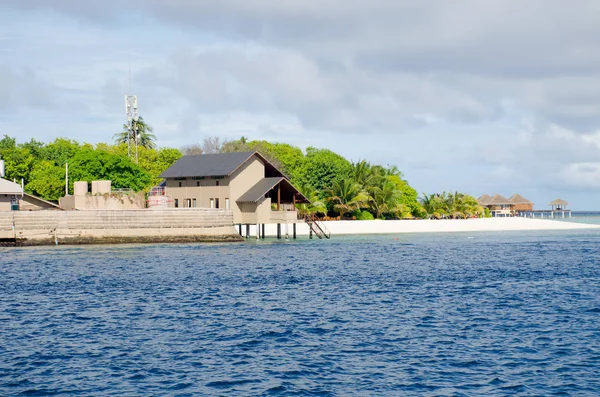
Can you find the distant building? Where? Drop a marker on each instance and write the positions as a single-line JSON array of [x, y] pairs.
[[13, 198], [501, 206], [245, 183], [520, 203], [558, 205]]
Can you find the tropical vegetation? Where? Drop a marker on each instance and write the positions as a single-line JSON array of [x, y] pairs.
[[335, 186]]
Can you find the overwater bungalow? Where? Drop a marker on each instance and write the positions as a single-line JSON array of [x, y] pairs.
[[520, 203]]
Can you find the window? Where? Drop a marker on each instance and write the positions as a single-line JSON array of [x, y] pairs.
[[188, 203], [212, 203], [176, 203], [179, 184], [217, 183], [198, 183], [226, 203], [194, 203], [216, 203]]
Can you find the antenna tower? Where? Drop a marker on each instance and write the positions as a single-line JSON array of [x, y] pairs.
[[131, 109]]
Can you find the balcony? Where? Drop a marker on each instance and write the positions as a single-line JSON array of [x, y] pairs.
[[283, 217]]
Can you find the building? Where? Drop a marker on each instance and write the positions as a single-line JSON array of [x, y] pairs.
[[558, 205], [520, 203], [13, 198], [246, 183], [498, 205]]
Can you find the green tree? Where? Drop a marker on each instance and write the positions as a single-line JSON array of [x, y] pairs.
[[90, 165], [144, 135], [384, 198], [346, 196], [315, 205], [322, 167], [60, 151], [47, 181]]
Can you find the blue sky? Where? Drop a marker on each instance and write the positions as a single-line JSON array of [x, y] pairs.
[[481, 97]]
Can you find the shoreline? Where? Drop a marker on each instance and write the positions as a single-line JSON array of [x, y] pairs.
[[353, 227]]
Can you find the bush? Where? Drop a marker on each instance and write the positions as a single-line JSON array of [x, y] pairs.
[[364, 216], [487, 213]]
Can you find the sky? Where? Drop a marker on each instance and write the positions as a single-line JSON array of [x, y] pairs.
[[481, 97]]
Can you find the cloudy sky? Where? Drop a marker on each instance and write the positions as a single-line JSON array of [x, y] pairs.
[[477, 96]]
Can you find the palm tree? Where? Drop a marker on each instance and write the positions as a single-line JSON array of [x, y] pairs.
[[346, 196], [315, 205], [363, 173], [145, 138], [384, 198]]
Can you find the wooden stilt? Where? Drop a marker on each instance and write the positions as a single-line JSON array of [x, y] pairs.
[[248, 230], [278, 231], [263, 230], [294, 230]]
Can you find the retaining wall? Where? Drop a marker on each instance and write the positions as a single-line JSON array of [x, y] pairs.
[[102, 226]]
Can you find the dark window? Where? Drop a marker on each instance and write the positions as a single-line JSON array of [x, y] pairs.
[[179, 184], [197, 183], [176, 203], [216, 203], [217, 183], [188, 203]]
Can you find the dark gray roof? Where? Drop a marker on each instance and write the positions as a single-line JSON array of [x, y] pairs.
[[259, 190], [219, 164]]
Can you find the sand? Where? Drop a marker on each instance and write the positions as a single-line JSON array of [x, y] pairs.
[[432, 226]]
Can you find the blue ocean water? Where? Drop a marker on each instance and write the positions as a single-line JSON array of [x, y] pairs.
[[422, 315]]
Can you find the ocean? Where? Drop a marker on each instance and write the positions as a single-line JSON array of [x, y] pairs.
[[420, 315]]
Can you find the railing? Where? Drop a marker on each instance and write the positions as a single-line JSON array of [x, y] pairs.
[[317, 228]]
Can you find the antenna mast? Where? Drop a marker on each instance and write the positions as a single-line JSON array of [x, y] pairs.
[[131, 109]]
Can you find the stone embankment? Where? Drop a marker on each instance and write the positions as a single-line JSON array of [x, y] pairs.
[[117, 226]]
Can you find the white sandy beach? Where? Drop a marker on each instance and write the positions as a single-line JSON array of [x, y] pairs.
[[431, 226]]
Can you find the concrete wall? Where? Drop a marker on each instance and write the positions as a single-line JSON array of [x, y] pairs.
[[126, 225], [111, 201]]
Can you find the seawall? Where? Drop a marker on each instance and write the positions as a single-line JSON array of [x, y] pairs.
[[117, 226]]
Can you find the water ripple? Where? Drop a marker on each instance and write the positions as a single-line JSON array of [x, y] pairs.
[[500, 314]]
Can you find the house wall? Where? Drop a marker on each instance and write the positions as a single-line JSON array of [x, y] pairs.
[[523, 207], [263, 211], [5, 202], [241, 181], [202, 190]]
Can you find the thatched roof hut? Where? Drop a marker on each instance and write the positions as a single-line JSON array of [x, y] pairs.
[[518, 199], [558, 202], [499, 200], [484, 200]]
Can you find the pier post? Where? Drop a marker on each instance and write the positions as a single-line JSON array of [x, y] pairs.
[[257, 231], [294, 230], [279, 231], [263, 231], [240, 228], [310, 234], [248, 230]]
